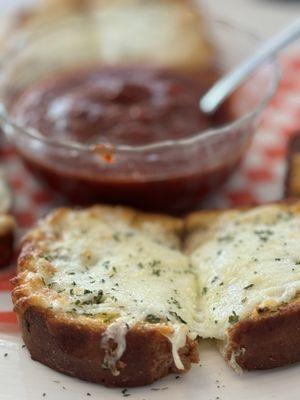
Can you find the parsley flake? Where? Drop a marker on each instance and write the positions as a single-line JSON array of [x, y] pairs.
[[233, 318]]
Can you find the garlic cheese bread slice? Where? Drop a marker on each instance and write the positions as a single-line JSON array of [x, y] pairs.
[[118, 278], [248, 265]]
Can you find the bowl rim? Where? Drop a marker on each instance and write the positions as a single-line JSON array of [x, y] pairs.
[[223, 130]]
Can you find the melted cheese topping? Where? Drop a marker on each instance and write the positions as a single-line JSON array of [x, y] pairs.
[[106, 269], [251, 262]]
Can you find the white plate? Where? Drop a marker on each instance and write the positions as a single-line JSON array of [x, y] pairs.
[[24, 379]]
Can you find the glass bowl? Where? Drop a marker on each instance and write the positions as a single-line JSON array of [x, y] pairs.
[[170, 175]]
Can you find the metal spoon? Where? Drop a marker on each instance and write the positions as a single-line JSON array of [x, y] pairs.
[[227, 85]]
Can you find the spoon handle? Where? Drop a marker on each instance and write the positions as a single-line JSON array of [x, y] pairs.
[[226, 85]]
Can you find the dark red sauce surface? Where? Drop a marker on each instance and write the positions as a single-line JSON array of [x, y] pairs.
[[128, 106], [123, 105]]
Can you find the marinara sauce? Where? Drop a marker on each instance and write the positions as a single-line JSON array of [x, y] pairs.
[[131, 106]]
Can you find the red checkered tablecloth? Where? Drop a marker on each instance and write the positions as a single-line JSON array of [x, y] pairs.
[[259, 179]]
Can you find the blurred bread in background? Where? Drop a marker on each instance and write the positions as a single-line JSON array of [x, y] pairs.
[[7, 221], [167, 32], [292, 184]]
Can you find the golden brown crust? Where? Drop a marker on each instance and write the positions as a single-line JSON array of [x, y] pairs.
[[292, 182], [266, 341], [75, 350], [7, 228], [7, 221], [71, 343]]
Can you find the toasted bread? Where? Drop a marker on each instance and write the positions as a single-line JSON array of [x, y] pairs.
[[248, 265], [170, 33], [104, 294], [292, 183], [108, 294], [7, 222]]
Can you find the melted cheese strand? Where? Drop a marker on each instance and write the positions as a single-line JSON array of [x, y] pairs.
[[116, 332]]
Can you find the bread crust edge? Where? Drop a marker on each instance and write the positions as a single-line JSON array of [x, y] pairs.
[[72, 344], [75, 350], [265, 341]]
